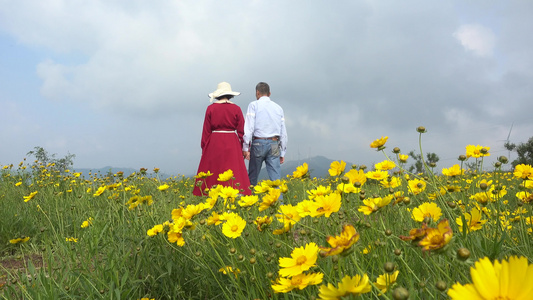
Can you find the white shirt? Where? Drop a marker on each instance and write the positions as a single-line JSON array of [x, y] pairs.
[[264, 118]]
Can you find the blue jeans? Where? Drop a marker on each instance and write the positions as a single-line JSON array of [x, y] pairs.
[[264, 151]]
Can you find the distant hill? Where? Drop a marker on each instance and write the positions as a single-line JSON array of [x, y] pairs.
[[318, 167], [102, 172]]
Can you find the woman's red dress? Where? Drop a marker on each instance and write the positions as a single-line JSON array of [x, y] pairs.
[[222, 148]]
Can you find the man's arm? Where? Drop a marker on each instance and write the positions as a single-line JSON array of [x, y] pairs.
[[249, 127]]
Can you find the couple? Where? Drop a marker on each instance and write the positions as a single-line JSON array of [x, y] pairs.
[[227, 137]]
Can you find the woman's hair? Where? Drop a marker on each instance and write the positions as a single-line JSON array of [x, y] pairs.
[[227, 97]]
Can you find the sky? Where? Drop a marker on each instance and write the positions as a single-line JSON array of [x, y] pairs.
[[124, 83]]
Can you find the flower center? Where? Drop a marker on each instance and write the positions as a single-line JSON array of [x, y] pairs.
[[234, 228], [437, 239], [301, 260], [296, 281]]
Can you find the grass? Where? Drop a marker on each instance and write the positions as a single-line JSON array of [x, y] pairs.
[[114, 257]]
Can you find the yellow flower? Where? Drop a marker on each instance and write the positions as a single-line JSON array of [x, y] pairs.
[[437, 238], [175, 237], [481, 197], [384, 281], [453, 171], [30, 196], [300, 281], [416, 186], [355, 285], [341, 243], [377, 175], [225, 176], [473, 221], [426, 210], [87, 223], [356, 176], [18, 183], [301, 171], [525, 196], [336, 168], [379, 143], [373, 204], [229, 270], [326, 205], [392, 183], [288, 214], [233, 227], [19, 240], [262, 221], [304, 208], [192, 210], [385, 165], [523, 171], [155, 230], [247, 201], [262, 187], [496, 194], [302, 259], [403, 157], [214, 219], [100, 191], [347, 188], [163, 187], [71, 239], [269, 199], [319, 191], [510, 279], [203, 174], [228, 193], [477, 151]]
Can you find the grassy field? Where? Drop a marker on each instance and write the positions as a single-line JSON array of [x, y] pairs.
[[376, 233]]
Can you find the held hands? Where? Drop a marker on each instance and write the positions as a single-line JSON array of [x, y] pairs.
[[246, 155], [281, 160]]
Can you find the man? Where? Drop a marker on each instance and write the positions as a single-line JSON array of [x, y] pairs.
[[265, 136]]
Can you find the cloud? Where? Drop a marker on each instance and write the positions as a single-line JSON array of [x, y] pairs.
[[476, 38], [126, 82]]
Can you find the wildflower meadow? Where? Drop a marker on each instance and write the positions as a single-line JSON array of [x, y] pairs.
[[377, 232]]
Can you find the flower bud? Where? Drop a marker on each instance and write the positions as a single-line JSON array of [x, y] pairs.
[[396, 150], [400, 293], [441, 285], [463, 254], [462, 157], [503, 159], [483, 186], [389, 267], [421, 129]]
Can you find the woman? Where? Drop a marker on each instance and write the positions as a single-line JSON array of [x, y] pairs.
[[222, 143]]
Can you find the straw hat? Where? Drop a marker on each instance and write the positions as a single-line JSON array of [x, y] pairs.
[[223, 88]]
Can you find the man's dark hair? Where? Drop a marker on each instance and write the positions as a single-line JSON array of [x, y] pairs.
[[263, 88]]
